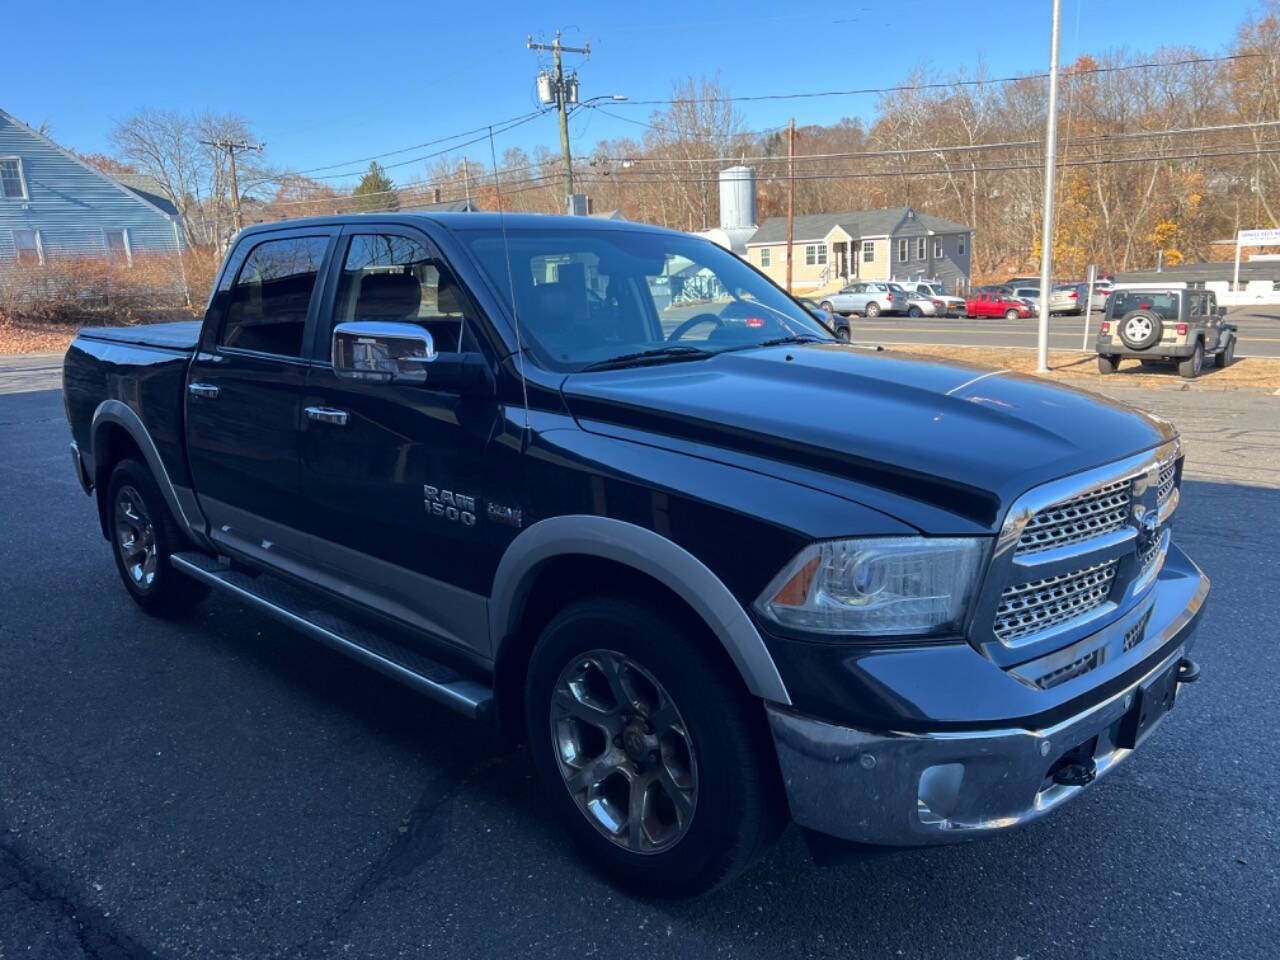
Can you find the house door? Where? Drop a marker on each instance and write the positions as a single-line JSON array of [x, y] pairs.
[[842, 260]]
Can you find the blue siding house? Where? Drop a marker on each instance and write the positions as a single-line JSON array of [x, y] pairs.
[[52, 204]]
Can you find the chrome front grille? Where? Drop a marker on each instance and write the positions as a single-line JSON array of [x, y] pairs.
[[1168, 476], [1037, 605], [1081, 518]]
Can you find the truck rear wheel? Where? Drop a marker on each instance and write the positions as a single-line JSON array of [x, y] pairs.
[[652, 758], [1107, 363], [143, 536]]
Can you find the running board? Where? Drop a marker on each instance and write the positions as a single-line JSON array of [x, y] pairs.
[[438, 681]]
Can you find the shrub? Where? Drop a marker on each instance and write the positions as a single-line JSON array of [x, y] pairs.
[[75, 289]]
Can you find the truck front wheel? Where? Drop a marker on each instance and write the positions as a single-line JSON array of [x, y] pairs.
[[650, 755], [143, 536]]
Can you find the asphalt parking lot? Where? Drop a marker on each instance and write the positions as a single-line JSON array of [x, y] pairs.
[[1259, 330], [224, 787]]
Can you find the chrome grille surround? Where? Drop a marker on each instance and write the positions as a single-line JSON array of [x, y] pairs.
[[1080, 568], [1037, 605], [1081, 518]]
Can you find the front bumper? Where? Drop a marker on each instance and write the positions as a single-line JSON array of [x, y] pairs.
[[914, 789]]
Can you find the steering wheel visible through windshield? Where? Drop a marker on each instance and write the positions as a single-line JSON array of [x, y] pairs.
[[599, 297]]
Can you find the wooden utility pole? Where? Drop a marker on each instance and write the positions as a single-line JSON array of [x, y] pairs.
[[562, 95], [791, 193], [231, 146]]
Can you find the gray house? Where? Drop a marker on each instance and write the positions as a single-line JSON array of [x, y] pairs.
[[52, 204], [897, 243]]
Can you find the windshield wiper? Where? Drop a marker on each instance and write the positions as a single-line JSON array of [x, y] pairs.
[[656, 355], [792, 338]]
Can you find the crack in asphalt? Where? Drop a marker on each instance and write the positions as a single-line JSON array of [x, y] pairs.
[[98, 937]]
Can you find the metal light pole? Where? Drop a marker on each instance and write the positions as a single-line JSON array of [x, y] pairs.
[[1050, 157]]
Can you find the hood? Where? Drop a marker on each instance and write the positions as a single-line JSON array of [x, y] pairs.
[[963, 439]]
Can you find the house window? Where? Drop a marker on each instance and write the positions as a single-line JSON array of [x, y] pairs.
[[765, 258], [937, 248], [29, 248], [868, 251], [12, 184], [118, 252], [815, 254], [904, 247], [960, 246], [920, 246]]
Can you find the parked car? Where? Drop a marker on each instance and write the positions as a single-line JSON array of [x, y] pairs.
[[920, 305], [935, 291], [1028, 295], [1170, 323], [869, 298], [986, 304], [448, 447], [1101, 289]]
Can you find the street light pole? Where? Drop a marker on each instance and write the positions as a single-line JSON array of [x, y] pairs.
[[1050, 157]]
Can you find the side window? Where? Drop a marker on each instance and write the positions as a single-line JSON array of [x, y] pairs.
[[395, 279], [1195, 303], [937, 248], [267, 312]]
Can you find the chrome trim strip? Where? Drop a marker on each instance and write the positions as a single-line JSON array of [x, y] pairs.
[[465, 696], [650, 553], [121, 414]]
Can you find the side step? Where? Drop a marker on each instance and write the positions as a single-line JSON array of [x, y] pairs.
[[290, 606]]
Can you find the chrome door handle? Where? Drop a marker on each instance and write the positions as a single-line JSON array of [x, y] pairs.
[[205, 390], [327, 415]]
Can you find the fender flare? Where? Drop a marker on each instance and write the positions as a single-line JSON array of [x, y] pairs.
[[649, 553], [181, 504]]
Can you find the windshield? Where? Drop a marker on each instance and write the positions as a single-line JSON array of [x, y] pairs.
[[1165, 305], [585, 297]]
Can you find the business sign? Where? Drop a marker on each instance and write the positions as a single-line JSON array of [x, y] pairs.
[[1258, 238]]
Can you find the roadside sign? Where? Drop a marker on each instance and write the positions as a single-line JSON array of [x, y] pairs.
[[1259, 238]]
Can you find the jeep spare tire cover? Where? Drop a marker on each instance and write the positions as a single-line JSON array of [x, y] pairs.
[[1141, 329]]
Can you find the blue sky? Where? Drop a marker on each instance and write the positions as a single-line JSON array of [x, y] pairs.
[[328, 82]]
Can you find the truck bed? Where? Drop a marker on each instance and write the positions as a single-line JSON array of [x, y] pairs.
[[180, 335]]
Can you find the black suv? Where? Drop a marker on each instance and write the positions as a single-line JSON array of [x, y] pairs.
[[608, 487]]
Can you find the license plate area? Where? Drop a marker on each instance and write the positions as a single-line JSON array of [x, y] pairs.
[[1154, 699]]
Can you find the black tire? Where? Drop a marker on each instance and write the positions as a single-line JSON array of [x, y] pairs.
[[153, 583], [1107, 364], [1227, 355], [844, 334], [872, 309], [1190, 368], [1011, 314], [737, 806], [1140, 329], [915, 312]]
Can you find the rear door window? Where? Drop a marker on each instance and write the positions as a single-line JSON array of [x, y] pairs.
[[269, 301]]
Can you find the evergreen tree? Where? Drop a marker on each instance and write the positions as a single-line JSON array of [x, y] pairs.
[[374, 190]]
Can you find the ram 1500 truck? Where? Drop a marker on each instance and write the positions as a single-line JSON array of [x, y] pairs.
[[608, 487]]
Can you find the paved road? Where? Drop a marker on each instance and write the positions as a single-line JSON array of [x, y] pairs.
[[223, 787], [1259, 331]]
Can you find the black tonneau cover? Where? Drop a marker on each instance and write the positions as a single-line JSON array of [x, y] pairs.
[[183, 335]]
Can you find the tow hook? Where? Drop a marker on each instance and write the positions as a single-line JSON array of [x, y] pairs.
[[1188, 670], [1076, 773]]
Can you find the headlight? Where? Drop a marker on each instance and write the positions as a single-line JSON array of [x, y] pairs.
[[877, 586]]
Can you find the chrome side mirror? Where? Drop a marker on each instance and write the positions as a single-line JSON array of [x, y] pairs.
[[381, 351]]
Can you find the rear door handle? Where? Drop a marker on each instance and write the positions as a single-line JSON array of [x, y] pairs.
[[331, 415], [205, 390]]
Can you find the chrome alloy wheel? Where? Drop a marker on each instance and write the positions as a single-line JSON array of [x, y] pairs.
[[135, 537], [1138, 328], [624, 751]]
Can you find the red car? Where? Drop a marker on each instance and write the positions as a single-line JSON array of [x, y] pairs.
[[995, 305]]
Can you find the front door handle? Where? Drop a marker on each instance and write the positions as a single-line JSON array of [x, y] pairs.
[[205, 390], [331, 415]]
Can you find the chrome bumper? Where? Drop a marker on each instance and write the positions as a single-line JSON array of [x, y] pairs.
[[82, 472], [915, 789]]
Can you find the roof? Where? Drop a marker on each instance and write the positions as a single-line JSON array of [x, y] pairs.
[[1204, 272], [446, 206], [148, 188], [856, 223]]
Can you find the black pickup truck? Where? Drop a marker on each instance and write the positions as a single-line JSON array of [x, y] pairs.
[[609, 488]]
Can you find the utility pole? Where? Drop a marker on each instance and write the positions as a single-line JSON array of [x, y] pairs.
[[563, 95], [791, 194], [1050, 158], [231, 146]]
